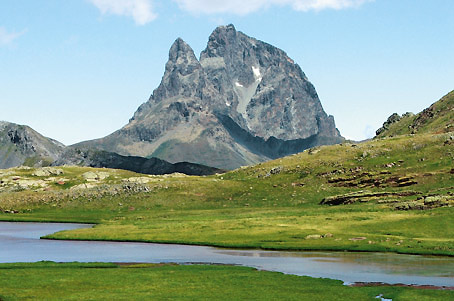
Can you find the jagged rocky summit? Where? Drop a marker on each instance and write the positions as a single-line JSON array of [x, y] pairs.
[[243, 102]]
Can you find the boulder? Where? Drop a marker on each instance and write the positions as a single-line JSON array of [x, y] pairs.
[[314, 236], [92, 176], [47, 171]]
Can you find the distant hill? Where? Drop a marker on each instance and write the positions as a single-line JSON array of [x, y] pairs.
[[153, 166], [242, 102], [438, 118], [21, 145]]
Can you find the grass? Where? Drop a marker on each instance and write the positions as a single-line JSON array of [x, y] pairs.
[[283, 228], [274, 205], [77, 281], [403, 190]]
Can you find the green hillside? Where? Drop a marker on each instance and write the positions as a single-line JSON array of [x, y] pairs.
[[393, 194], [438, 118]]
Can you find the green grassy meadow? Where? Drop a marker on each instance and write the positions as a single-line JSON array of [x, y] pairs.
[[396, 193], [99, 281], [390, 194]]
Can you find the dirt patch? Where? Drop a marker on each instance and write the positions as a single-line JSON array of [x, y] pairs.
[[370, 179], [428, 287], [363, 196]]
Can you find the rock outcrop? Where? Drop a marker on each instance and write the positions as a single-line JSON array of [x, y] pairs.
[[436, 119], [244, 101], [391, 120]]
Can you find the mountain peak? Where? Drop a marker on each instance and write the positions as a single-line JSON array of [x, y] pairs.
[[181, 50], [243, 102], [225, 28], [180, 45], [182, 75]]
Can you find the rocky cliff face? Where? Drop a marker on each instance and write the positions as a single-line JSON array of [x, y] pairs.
[[267, 93], [243, 102], [21, 145]]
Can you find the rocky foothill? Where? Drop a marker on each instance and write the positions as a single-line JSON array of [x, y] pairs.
[[56, 179]]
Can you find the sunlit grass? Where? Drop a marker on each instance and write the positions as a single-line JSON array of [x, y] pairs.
[[93, 281], [256, 208]]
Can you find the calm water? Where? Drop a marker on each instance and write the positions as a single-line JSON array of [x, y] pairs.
[[19, 242]]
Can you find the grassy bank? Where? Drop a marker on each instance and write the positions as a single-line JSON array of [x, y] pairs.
[[285, 228], [393, 194], [74, 281]]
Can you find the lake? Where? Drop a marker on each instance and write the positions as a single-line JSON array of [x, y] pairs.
[[20, 242]]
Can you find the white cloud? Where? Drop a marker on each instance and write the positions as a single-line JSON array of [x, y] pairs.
[[305, 5], [7, 38], [140, 10], [369, 131], [242, 7]]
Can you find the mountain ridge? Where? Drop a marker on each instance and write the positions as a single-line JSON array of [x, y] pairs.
[[250, 82], [20, 145], [153, 166]]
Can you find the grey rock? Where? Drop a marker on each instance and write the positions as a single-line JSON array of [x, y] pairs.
[[243, 102], [47, 171], [391, 119], [276, 170], [270, 96], [314, 236]]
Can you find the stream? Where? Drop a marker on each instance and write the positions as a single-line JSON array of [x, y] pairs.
[[20, 242]]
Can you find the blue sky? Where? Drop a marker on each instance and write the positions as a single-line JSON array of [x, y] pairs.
[[78, 69]]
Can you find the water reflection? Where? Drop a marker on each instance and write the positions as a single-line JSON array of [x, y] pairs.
[[390, 263]]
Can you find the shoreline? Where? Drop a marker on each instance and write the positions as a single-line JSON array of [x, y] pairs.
[[49, 237], [416, 286], [213, 245]]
